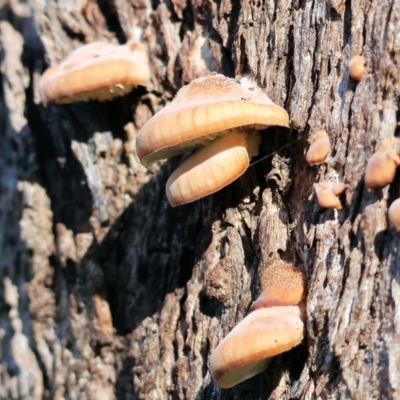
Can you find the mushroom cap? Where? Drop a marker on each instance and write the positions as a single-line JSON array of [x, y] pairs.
[[96, 71], [283, 285], [264, 333], [381, 168], [320, 146], [326, 195], [206, 108], [212, 167], [357, 68], [394, 214]]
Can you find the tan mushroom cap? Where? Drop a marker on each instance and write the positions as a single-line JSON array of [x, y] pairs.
[[327, 195], [96, 71], [320, 147], [201, 111], [245, 351], [283, 285], [212, 167], [381, 167], [394, 214], [357, 68]]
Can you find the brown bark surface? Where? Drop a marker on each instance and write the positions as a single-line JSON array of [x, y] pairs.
[[109, 293]]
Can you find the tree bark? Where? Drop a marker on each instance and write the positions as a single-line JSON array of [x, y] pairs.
[[108, 292]]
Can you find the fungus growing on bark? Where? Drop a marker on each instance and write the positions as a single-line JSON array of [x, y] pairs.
[[96, 71], [205, 110], [394, 214], [327, 195], [283, 285], [357, 68], [381, 167], [249, 346], [320, 146]]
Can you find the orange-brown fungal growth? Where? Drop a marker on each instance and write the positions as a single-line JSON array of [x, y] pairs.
[[96, 71], [327, 195], [208, 109], [320, 146], [247, 349], [357, 68], [201, 112], [212, 167], [394, 214], [283, 285], [382, 166]]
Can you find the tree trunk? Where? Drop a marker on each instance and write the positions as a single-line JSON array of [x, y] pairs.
[[108, 292]]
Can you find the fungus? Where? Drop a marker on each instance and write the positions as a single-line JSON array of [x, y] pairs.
[[207, 109], [212, 167], [96, 71], [394, 214], [248, 348], [381, 167], [320, 146], [328, 196], [357, 68], [283, 285]]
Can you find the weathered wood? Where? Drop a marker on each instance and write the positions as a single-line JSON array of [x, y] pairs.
[[107, 292]]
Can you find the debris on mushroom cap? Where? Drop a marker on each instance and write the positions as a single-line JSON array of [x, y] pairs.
[[283, 285], [381, 167], [320, 146], [357, 68], [96, 71], [327, 195], [245, 351], [205, 109], [394, 214], [212, 167]]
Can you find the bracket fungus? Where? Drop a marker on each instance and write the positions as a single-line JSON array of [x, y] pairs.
[[357, 68], [394, 214], [97, 70], [381, 167], [327, 195], [206, 110], [275, 325], [320, 146]]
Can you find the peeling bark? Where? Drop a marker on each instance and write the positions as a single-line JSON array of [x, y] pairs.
[[108, 292]]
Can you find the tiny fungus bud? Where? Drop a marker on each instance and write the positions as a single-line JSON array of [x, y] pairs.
[[327, 195], [96, 71], [207, 109], [381, 167], [283, 285], [320, 146], [357, 68], [394, 214], [247, 349]]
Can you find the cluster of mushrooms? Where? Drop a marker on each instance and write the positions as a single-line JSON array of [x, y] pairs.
[[221, 118]]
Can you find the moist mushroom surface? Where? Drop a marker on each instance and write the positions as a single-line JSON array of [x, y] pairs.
[[96, 71]]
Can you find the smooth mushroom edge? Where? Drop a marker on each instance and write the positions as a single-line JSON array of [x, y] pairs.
[[320, 146], [328, 194], [222, 118], [96, 71], [275, 325], [394, 214], [381, 167]]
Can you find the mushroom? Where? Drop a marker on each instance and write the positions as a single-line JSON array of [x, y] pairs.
[[394, 214], [381, 167], [207, 109], [320, 146], [328, 196], [249, 346], [283, 285], [357, 68], [96, 71]]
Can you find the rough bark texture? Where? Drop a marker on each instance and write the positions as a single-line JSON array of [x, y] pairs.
[[107, 292]]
